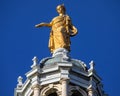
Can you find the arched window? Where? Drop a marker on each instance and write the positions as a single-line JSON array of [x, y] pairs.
[[76, 93], [53, 94]]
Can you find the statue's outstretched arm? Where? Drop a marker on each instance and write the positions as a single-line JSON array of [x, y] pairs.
[[43, 24]]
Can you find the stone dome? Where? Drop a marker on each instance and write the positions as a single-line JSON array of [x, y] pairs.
[[49, 61], [61, 55]]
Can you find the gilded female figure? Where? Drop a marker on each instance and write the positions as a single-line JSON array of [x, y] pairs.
[[61, 30]]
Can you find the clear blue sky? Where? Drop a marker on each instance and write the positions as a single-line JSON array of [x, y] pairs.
[[98, 23]]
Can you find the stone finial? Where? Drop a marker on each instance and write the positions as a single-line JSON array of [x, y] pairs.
[[92, 64], [35, 61], [19, 82]]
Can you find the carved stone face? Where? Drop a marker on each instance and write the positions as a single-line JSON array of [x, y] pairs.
[[61, 9]]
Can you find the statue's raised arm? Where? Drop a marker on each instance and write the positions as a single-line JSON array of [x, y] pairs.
[[61, 30]]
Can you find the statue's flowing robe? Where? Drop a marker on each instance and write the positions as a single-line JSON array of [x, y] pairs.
[[61, 31]]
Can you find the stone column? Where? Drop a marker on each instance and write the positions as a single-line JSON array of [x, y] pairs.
[[64, 87], [90, 92], [36, 89]]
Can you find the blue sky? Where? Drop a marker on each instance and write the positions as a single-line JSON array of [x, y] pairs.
[[98, 23]]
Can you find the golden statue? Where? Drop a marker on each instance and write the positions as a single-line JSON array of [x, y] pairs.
[[61, 30]]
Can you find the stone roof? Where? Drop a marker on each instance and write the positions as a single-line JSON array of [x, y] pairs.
[[49, 61]]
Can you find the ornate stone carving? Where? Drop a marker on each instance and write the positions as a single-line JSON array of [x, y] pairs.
[[20, 84]]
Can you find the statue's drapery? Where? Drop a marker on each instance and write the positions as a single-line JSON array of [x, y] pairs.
[[61, 31]]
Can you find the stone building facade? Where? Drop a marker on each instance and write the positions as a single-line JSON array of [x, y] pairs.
[[60, 75]]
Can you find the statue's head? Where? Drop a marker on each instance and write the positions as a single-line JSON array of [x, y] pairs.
[[61, 9]]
